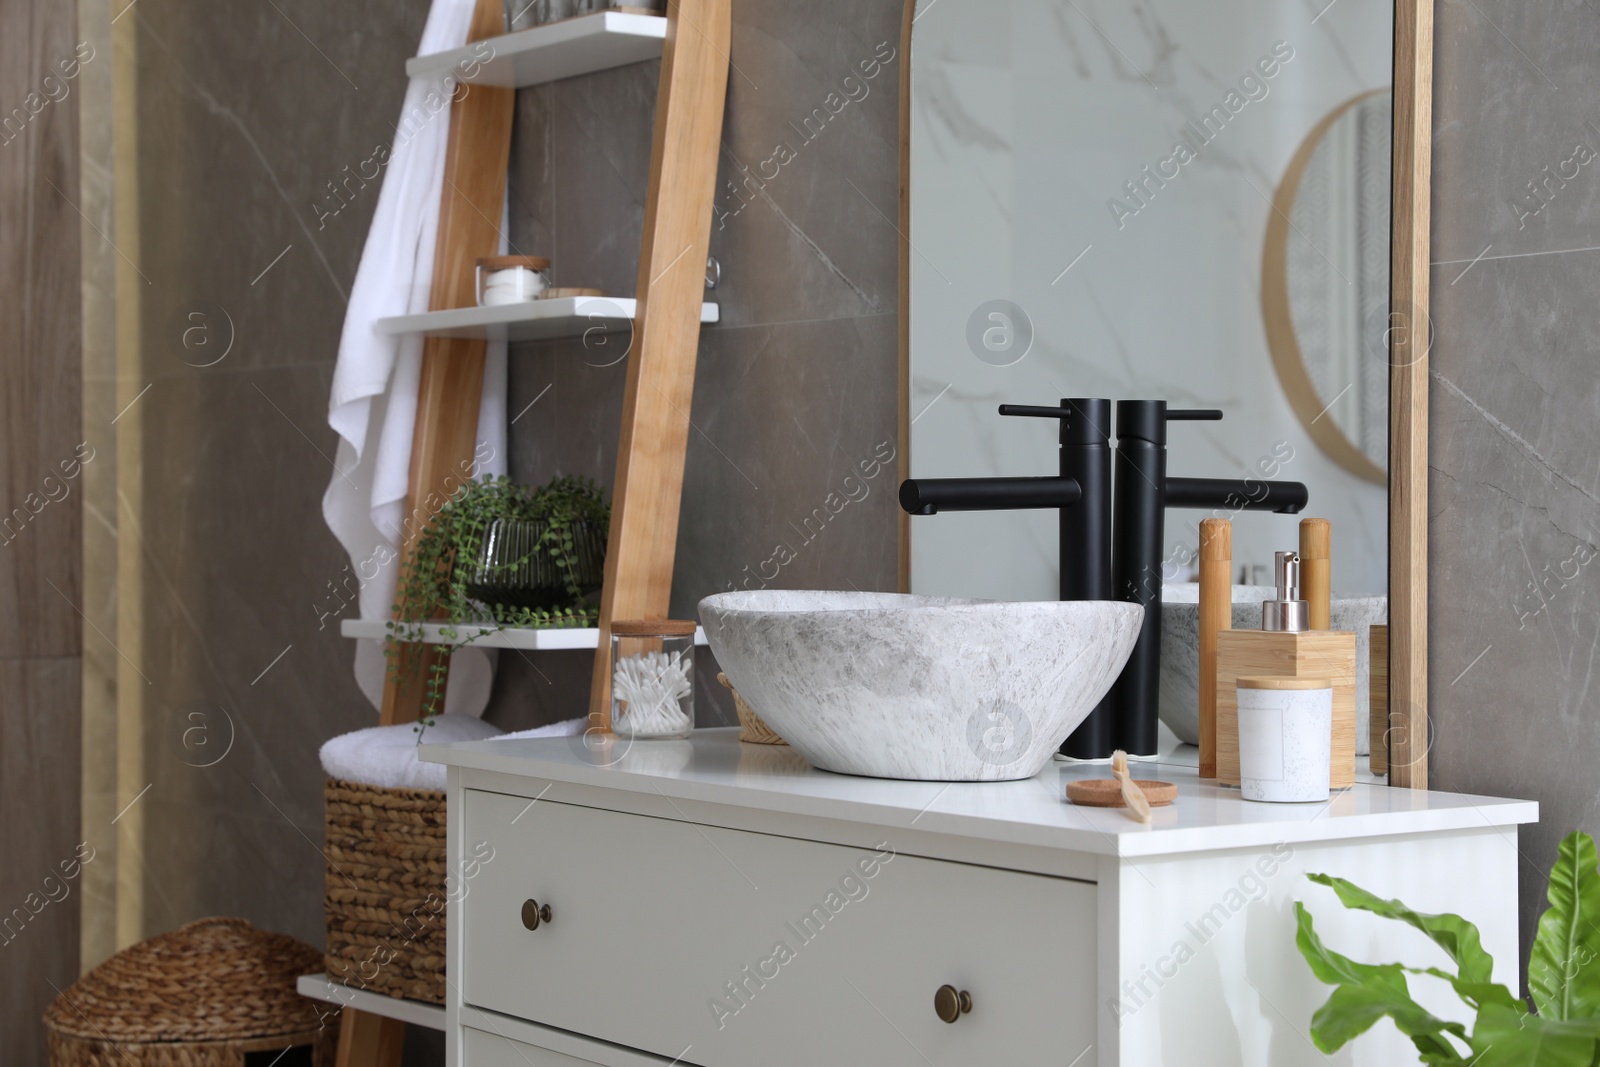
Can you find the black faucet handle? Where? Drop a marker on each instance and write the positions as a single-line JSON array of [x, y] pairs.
[[1034, 411], [1146, 420], [1084, 420]]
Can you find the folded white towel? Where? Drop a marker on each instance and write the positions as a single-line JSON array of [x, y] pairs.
[[387, 755], [569, 728]]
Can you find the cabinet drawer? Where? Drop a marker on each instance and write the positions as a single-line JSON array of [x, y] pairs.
[[728, 949], [490, 1050]]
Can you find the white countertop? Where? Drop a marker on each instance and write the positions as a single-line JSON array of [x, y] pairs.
[[715, 767]]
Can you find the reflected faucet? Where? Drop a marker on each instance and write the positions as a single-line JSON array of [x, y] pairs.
[[1094, 517], [1144, 492]]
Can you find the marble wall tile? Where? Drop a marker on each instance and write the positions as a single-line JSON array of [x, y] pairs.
[[792, 469], [579, 173], [807, 215], [246, 671], [566, 399], [1514, 497], [258, 126]]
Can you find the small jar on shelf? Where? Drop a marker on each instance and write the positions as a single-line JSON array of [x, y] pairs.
[[511, 279], [652, 679], [525, 14]]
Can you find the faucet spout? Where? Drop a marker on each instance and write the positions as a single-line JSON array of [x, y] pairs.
[[1248, 494], [929, 496]]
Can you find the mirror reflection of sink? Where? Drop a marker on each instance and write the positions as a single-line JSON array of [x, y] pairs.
[[1180, 649], [918, 687]]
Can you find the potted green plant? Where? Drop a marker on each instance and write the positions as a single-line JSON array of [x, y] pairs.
[[1562, 1030], [500, 555]]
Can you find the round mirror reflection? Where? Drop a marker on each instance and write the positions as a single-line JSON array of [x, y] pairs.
[[1325, 284]]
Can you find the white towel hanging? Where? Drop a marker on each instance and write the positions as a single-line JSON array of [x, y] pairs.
[[374, 399]]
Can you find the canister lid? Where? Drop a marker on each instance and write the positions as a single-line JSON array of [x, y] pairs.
[[653, 628], [1285, 683], [507, 262]]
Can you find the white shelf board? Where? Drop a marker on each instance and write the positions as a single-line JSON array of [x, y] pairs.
[[528, 640], [530, 320], [321, 987], [549, 53]]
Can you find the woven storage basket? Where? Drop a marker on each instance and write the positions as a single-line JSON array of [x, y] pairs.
[[386, 889], [203, 995], [751, 726]]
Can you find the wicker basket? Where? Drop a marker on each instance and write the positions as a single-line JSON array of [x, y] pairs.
[[204, 995], [751, 728], [386, 889]]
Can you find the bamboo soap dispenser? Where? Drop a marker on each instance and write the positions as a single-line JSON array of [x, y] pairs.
[[1286, 646]]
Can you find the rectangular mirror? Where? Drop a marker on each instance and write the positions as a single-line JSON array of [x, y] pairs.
[[1192, 203]]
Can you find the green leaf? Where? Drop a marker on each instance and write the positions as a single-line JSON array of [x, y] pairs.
[[1476, 994], [1564, 964], [1510, 1037], [1366, 993], [1458, 937]]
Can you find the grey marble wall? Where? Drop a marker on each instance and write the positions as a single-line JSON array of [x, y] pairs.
[[1514, 604], [797, 384], [232, 671]]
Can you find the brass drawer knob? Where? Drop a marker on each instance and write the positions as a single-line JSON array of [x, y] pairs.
[[951, 1004], [534, 913]]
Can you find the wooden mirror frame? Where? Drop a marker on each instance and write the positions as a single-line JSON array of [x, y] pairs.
[[1409, 735]]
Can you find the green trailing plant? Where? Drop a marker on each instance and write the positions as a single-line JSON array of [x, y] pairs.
[[436, 586], [1561, 1030]]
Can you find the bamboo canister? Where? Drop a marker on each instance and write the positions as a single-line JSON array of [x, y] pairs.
[[1216, 614], [1316, 566], [1285, 727], [1329, 654]]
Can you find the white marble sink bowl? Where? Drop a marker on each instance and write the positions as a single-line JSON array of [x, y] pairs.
[[919, 687], [1180, 649]]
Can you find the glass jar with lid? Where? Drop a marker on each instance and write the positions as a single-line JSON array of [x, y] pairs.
[[511, 279], [652, 679]]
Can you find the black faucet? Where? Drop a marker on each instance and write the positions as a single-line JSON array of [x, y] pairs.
[[1143, 494], [1093, 517], [1082, 493]]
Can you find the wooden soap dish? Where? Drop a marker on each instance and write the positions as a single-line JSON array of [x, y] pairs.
[[1107, 792]]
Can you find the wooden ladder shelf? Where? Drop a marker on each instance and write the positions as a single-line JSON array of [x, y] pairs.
[[660, 374]]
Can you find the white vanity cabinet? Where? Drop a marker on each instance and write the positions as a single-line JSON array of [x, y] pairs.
[[715, 904]]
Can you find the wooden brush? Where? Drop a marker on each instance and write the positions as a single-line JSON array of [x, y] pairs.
[[1132, 795]]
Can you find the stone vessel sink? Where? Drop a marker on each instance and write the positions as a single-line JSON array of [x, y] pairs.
[[1180, 649], [918, 687]]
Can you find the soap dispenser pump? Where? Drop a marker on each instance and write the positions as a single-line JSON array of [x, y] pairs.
[[1287, 613]]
